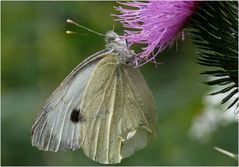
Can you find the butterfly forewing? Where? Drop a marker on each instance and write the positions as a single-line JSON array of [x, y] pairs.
[[53, 128]]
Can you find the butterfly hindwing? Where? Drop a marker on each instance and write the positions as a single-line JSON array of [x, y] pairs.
[[139, 112], [118, 118]]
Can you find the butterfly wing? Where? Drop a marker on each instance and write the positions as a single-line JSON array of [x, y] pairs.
[[139, 114], [119, 110], [53, 129]]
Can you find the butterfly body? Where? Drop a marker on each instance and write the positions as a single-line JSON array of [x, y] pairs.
[[112, 108]]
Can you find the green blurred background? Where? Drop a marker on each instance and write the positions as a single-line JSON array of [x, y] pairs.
[[37, 55]]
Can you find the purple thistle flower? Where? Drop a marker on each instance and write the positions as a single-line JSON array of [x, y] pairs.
[[155, 24]]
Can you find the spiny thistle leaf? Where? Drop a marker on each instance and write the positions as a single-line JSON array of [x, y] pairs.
[[215, 30]]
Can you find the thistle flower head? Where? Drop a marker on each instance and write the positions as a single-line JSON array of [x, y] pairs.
[[155, 24]]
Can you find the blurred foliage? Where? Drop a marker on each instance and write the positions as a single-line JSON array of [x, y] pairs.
[[37, 55], [215, 30]]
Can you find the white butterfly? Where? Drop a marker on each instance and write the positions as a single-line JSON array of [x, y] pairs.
[[104, 106]]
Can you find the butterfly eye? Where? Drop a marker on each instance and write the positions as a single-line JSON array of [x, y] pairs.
[[110, 39], [76, 116]]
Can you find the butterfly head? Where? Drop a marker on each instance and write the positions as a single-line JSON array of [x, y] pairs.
[[114, 40], [119, 46]]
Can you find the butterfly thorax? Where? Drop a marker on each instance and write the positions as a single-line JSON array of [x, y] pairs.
[[119, 47]]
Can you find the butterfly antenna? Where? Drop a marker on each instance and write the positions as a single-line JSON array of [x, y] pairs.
[[73, 32], [78, 25]]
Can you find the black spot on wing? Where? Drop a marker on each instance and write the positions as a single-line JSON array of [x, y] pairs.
[[76, 116]]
